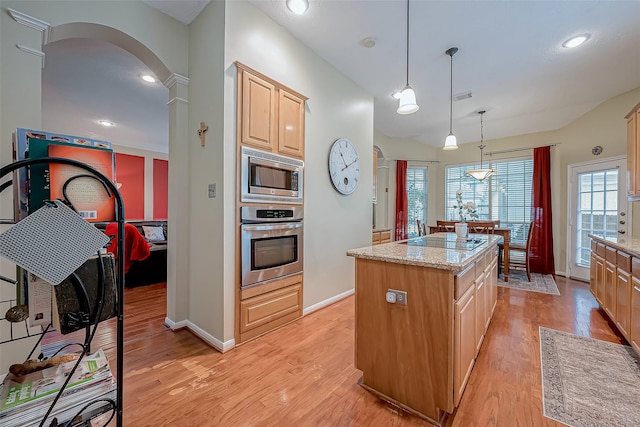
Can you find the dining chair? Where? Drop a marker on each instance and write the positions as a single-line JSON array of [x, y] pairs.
[[481, 227], [448, 226], [519, 254], [422, 231]]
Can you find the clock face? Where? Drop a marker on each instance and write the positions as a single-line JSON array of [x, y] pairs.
[[344, 166]]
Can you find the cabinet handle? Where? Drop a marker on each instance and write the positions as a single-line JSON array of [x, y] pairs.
[[636, 288]]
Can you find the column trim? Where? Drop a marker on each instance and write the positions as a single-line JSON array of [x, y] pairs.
[[176, 78], [31, 22]]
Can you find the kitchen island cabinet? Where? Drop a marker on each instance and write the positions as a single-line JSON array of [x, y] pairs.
[[615, 283], [419, 355]]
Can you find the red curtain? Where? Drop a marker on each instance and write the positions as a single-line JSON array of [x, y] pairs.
[[541, 253], [402, 201]]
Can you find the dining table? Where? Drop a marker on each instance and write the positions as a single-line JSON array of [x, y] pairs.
[[506, 238]]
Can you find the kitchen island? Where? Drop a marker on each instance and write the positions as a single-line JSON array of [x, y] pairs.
[[422, 309]]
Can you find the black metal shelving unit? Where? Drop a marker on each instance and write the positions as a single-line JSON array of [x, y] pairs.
[[90, 330]]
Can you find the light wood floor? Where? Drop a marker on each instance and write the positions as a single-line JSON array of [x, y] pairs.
[[303, 374]]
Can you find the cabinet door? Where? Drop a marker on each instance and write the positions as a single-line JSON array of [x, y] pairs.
[[290, 124], [600, 291], [464, 341], [481, 318], [634, 326], [258, 112], [494, 285], [623, 295], [264, 312], [610, 289], [592, 275], [488, 296]]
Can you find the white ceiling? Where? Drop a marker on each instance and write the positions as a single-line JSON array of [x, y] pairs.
[[510, 57]]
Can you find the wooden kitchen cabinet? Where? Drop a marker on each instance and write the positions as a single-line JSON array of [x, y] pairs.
[[262, 313], [464, 341], [271, 116], [634, 324], [481, 310], [379, 237], [615, 282], [633, 153]]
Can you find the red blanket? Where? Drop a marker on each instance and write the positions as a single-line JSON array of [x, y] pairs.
[[136, 247]]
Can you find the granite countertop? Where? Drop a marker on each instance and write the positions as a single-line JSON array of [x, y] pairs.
[[630, 245], [421, 251]]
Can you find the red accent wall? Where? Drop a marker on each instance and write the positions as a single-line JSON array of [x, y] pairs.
[[130, 173], [160, 189]]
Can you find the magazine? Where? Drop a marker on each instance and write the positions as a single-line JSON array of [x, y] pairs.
[[42, 386]]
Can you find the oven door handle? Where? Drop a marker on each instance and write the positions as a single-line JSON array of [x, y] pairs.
[[267, 227], [272, 163]]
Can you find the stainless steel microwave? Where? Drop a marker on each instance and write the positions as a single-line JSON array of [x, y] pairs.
[[269, 178]]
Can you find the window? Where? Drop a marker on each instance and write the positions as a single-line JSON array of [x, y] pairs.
[[417, 195], [504, 196]]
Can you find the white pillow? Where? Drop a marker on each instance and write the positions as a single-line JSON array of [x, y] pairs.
[[153, 233]]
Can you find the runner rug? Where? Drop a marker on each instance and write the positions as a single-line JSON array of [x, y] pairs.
[[588, 382]]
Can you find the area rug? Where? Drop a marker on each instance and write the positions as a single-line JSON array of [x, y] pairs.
[[542, 283], [588, 382]]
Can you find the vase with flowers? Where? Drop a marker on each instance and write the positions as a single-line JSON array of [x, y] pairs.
[[465, 211]]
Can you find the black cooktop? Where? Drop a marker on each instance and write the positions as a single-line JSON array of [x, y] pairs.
[[449, 242]]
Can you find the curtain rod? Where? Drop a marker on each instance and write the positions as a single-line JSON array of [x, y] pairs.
[[410, 160], [491, 153]]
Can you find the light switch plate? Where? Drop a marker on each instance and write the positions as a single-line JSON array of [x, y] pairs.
[[212, 191]]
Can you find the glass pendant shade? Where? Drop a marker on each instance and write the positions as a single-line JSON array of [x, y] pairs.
[[480, 174], [451, 143], [407, 103]]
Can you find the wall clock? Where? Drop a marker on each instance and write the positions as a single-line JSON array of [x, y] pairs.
[[344, 166]]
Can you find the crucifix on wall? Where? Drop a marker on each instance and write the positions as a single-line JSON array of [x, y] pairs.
[[201, 132]]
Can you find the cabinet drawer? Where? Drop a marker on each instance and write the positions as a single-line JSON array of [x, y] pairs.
[[267, 309], [600, 249], [385, 236], [611, 255], [480, 264], [464, 280], [623, 261], [375, 238]]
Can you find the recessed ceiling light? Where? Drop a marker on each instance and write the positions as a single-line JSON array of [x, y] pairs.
[[148, 78], [106, 123], [298, 6], [368, 42], [576, 41], [396, 94]]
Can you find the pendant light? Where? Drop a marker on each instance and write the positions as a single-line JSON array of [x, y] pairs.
[[451, 143], [481, 174], [407, 103]]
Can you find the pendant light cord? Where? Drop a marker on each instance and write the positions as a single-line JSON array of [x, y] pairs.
[[451, 98], [481, 146], [407, 42]]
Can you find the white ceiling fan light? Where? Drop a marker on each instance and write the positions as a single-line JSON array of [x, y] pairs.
[[298, 6], [576, 41], [408, 104]]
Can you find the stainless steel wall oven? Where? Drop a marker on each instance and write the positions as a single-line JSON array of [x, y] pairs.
[[272, 242]]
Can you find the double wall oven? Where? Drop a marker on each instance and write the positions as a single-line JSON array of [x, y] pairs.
[[271, 243]]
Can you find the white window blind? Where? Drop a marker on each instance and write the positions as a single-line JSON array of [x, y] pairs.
[[504, 196], [417, 196]]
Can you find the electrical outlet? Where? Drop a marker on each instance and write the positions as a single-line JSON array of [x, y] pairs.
[[393, 296], [212, 191]]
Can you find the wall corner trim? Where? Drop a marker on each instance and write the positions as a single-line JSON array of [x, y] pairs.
[[327, 302], [32, 51], [176, 78], [176, 99], [31, 22], [202, 334]]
